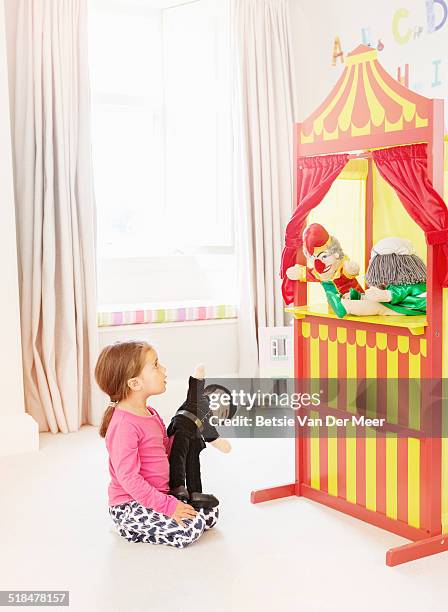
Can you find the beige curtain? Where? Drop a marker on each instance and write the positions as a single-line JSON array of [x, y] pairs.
[[55, 210], [264, 111]]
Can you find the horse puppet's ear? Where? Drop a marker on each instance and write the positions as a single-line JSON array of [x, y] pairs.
[[195, 390]]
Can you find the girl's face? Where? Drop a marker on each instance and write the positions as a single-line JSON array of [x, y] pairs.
[[153, 375]]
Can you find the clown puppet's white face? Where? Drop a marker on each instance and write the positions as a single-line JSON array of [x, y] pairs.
[[325, 264]]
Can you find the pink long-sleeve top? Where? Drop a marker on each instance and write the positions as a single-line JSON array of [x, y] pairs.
[[138, 449]]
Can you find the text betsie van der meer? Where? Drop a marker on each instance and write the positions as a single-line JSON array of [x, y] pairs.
[[302, 420]]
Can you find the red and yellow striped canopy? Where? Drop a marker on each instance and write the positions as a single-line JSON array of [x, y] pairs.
[[365, 102]]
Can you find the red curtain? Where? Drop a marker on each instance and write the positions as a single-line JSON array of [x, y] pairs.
[[405, 169], [315, 175]]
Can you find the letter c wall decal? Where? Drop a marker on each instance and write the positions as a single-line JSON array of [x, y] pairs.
[[400, 14]]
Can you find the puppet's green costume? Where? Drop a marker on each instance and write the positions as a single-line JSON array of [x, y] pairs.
[[406, 299]]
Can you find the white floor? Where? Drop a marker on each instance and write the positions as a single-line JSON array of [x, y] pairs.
[[288, 554]]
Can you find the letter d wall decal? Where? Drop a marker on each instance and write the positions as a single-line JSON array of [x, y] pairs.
[[431, 15]]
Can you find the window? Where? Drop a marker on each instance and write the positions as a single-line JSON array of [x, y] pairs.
[[161, 128], [162, 142], [125, 50], [198, 122]]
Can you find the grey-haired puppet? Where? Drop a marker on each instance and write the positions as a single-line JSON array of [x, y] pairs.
[[397, 282], [191, 429]]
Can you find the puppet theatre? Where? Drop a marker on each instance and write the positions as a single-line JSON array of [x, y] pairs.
[[369, 163]]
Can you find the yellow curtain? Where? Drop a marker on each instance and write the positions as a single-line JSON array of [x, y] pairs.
[[390, 217]]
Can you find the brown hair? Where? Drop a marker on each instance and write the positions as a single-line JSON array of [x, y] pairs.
[[116, 364]]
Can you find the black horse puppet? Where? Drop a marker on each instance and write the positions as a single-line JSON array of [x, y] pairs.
[[191, 429]]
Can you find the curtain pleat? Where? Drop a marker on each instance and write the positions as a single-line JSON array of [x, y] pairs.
[[405, 169], [55, 212], [315, 176]]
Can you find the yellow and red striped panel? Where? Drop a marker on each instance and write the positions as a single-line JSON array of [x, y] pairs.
[[379, 472]]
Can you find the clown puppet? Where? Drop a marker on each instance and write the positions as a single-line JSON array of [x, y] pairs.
[[328, 264]]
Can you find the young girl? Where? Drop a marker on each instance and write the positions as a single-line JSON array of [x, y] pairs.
[[138, 446]]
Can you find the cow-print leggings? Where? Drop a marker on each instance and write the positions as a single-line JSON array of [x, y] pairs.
[[139, 524]]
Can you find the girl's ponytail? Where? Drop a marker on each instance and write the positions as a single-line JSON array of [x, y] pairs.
[[107, 416]]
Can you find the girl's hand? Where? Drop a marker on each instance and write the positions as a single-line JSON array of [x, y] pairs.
[[183, 511]]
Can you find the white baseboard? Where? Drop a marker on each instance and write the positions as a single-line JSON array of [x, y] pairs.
[[19, 433]]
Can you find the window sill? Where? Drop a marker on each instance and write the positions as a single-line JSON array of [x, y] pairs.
[[164, 312]]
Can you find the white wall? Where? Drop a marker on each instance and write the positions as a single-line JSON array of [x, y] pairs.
[[316, 24], [18, 431], [180, 347]]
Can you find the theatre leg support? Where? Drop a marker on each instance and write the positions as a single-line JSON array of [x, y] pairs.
[[417, 550], [262, 495]]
